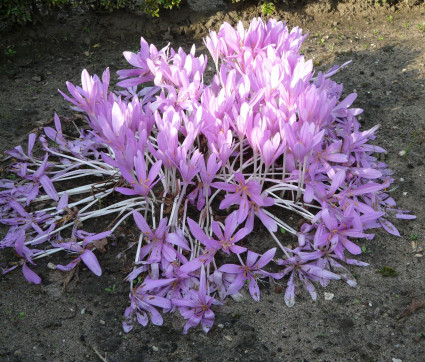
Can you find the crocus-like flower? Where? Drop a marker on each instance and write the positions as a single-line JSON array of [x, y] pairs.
[[196, 306], [250, 272]]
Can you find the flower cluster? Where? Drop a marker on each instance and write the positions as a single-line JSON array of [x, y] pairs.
[[197, 165]]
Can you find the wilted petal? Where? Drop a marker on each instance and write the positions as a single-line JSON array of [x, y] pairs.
[[90, 260], [30, 275]]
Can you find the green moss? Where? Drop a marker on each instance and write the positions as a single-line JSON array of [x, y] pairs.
[[387, 271]]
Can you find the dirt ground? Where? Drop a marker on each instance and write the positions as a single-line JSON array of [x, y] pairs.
[[379, 320]]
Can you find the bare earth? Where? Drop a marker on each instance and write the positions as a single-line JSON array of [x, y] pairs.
[[379, 320]]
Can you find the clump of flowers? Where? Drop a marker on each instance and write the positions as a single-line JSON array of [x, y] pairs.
[[197, 165]]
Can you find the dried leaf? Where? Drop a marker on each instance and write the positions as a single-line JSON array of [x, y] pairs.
[[413, 306], [100, 245], [96, 45]]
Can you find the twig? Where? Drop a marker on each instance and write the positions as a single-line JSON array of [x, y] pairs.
[[99, 355]]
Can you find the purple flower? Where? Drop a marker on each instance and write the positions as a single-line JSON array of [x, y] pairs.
[[250, 272], [196, 306]]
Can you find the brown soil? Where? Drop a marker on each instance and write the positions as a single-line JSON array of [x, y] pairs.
[[387, 49]]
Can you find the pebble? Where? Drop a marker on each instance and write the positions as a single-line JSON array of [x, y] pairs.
[[155, 348], [102, 322], [220, 326], [51, 266], [405, 193], [397, 360], [329, 296], [228, 338], [82, 311]]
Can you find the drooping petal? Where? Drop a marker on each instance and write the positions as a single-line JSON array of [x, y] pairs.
[[91, 261], [30, 275]]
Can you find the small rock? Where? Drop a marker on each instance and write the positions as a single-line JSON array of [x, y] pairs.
[[36, 78], [402, 153], [155, 348], [82, 311], [329, 296], [419, 255], [51, 266], [278, 289], [397, 360], [228, 338], [405, 193], [102, 322], [220, 326]]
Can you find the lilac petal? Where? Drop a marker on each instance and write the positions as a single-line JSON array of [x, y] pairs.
[[239, 235], [90, 260], [224, 186], [254, 290], [330, 222], [230, 268], [95, 237], [63, 202], [243, 209], [236, 285], [159, 302], [69, 266], [202, 283], [352, 247], [192, 265], [31, 141], [251, 258], [217, 229], [389, 227], [48, 187], [142, 318], [196, 231], [230, 225], [230, 199], [337, 181], [30, 275], [142, 224], [236, 249], [126, 191], [267, 221], [310, 287], [192, 322], [290, 292], [265, 258], [156, 317], [178, 240]]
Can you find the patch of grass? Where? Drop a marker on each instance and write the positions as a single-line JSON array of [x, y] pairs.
[[387, 271], [111, 290], [421, 27]]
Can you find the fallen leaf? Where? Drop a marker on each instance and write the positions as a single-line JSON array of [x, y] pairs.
[[413, 306], [100, 244], [96, 45]]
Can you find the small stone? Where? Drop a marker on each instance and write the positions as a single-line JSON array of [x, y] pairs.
[[329, 296], [36, 78], [278, 289], [102, 322], [401, 179], [397, 360], [228, 338], [419, 255], [405, 193], [155, 348], [51, 266], [82, 311], [404, 70], [220, 326]]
